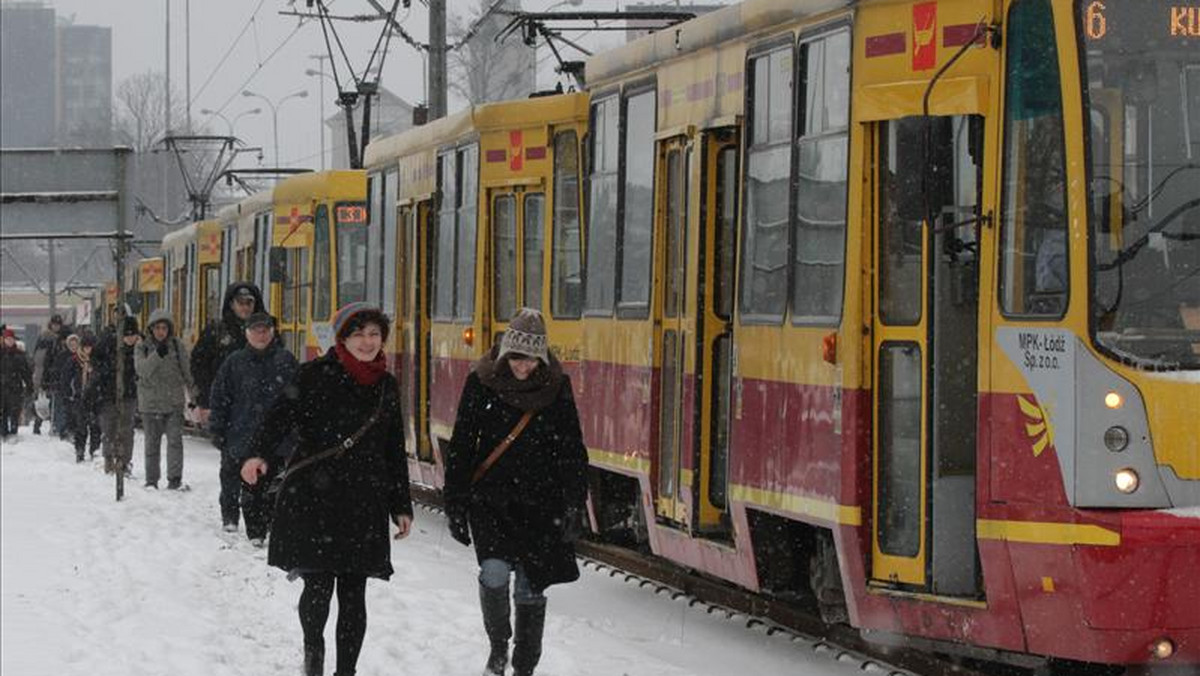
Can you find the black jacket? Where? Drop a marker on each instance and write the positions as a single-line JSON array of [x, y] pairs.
[[517, 509], [247, 385], [221, 338], [104, 382], [333, 515], [16, 377]]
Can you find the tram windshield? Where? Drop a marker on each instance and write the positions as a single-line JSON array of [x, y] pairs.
[[1142, 96]]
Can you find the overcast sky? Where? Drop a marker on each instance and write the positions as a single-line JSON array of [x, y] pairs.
[[247, 44]]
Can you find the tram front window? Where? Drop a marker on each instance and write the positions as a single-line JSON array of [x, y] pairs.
[[1142, 85]]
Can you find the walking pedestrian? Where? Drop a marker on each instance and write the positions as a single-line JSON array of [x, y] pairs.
[[516, 485], [16, 382], [117, 415], [348, 476], [45, 354], [164, 385], [84, 424], [246, 387], [62, 363], [221, 338]]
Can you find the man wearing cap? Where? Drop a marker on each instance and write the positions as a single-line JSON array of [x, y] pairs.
[[246, 386], [222, 337]]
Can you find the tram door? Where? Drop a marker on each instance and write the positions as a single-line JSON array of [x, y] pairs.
[[926, 352], [413, 284], [517, 245]]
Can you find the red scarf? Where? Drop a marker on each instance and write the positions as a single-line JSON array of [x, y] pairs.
[[363, 372]]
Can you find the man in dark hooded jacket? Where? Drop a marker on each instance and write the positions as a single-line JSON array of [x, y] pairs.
[[222, 337], [246, 387]]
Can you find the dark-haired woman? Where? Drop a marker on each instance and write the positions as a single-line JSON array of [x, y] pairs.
[[347, 478], [516, 484]]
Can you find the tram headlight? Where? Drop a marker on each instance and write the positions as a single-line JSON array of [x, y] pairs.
[[1116, 438], [1126, 480], [1113, 400], [1162, 649]]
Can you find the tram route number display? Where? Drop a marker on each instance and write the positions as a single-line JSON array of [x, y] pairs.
[[1134, 22], [1043, 351]]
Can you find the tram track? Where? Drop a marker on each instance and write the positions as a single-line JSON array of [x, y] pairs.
[[772, 617]]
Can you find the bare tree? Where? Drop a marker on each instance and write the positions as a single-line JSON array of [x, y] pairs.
[[140, 104], [484, 70]]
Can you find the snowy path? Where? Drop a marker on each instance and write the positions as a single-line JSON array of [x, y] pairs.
[[151, 586]]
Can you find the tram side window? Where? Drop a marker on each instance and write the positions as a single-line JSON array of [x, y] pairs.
[[768, 165], [374, 227], [535, 204], [566, 290], [637, 207], [464, 297], [602, 214], [822, 149], [322, 264], [504, 256], [443, 257], [1033, 270], [387, 282]]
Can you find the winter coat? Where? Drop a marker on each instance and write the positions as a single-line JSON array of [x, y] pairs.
[[16, 377], [45, 358], [247, 385], [104, 385], [333, 515], [219, 339], [76, 380], [60, 371], [517, 509], [163, 381]]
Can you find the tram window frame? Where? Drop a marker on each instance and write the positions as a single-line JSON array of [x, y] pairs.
[[600, 274], [533, 256], [759, 144], [387, 282], [629, 277], [567, 230], [1023, 261], [322, 302], [443, 241], [833, 125], [504, 255], [374, 226], [467, 216]]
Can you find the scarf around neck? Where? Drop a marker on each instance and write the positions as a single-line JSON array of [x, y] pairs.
[[363, 372], [534, 393]]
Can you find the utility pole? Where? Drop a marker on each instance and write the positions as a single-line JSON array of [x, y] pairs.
[[321, 59], [437, 59], [53, 296], [167, 112]]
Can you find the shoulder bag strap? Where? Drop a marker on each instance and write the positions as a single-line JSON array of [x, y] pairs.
[[346, 445], [502, 447]]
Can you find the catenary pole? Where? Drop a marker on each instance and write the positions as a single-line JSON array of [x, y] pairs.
[[437, 59]]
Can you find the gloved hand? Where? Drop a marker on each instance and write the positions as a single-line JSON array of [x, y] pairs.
[[459, 528], [161, 349], [572, 524]]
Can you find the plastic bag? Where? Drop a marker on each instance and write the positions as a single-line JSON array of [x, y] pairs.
[[41, 406]]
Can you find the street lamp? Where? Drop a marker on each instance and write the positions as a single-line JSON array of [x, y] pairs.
[[275, 114], [231, 124], [322, 76]]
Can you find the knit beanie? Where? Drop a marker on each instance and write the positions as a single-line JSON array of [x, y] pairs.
[[353, 316], [130, 327], [526, 335]]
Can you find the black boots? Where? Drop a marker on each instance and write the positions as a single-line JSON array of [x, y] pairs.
[[314, 660], [494, 603], [527, 646]]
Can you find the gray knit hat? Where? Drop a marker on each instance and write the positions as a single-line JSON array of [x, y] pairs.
[[526, 335]]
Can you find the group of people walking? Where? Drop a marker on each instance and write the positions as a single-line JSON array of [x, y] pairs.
[[314, 455]]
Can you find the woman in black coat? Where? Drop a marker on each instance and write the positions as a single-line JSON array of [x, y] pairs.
[[331, 518], [523, 510]]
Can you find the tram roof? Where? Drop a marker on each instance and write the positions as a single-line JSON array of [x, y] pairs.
[[321, 185], [483, 117], [742, 21]]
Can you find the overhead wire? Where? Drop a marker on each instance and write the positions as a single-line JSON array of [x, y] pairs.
[[229, 51], [259, 67]]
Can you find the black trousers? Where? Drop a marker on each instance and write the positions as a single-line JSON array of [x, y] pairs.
[[351, 621], [85, 427], [231, 487], [10, 418]]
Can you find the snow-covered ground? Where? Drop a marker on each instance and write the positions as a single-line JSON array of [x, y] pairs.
[[150, 586]]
